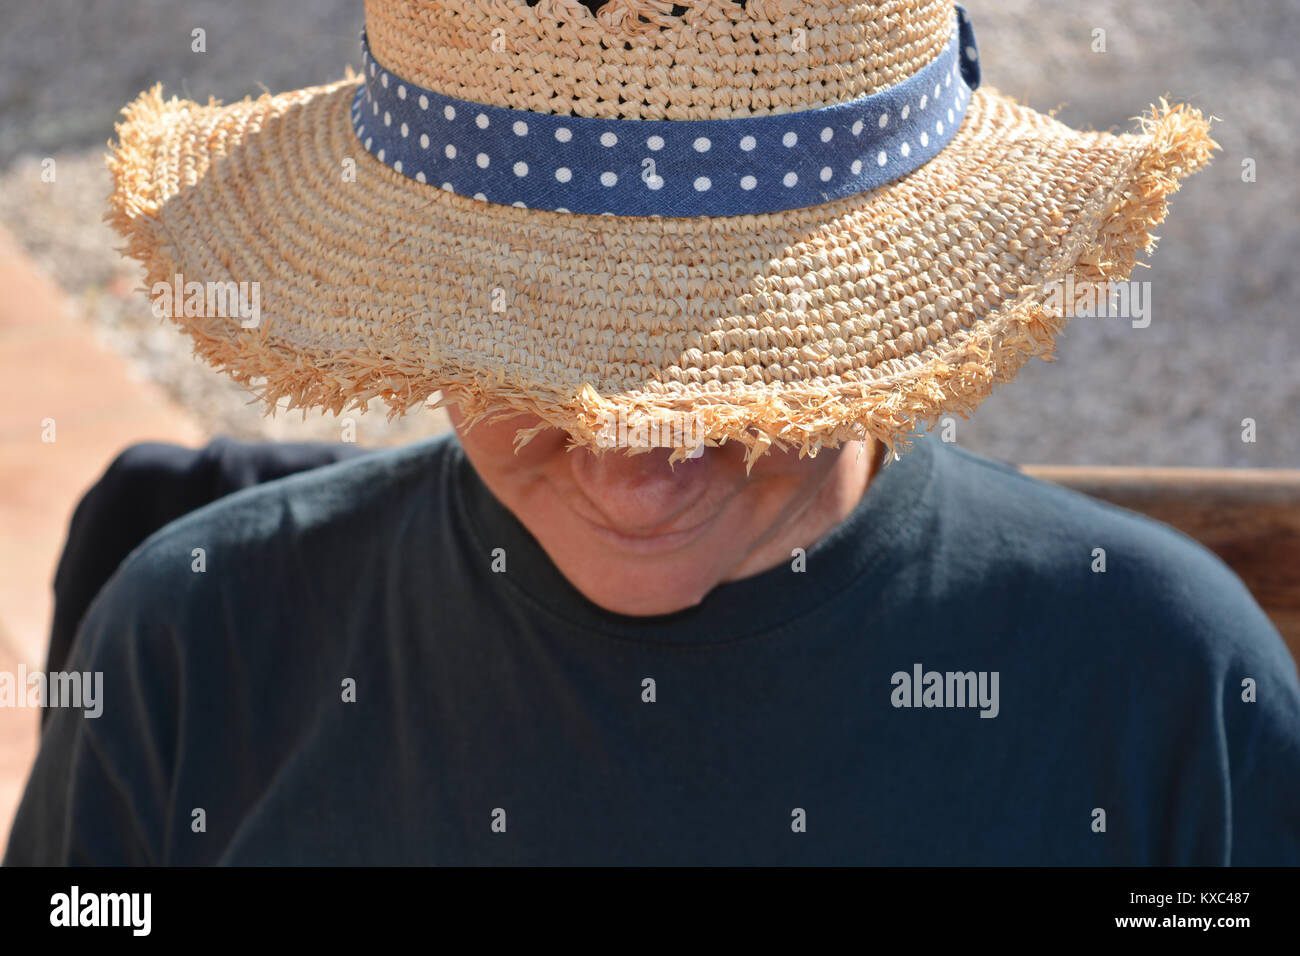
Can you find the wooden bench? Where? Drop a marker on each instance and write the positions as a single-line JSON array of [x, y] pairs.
[[1248, 517]]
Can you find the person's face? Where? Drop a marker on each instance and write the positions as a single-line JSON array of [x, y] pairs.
[[636, 536]]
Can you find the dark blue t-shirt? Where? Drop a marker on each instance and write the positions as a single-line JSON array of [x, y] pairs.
[[379, 664]]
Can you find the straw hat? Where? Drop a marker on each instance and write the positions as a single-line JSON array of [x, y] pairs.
[[794, 224]]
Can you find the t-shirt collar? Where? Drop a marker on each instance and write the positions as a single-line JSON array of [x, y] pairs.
[[877, 532]]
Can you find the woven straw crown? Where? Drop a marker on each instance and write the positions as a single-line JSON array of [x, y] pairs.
[[638, 59]]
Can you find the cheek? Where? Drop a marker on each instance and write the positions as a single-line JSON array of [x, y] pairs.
[[517, 480], [782, 488], [786, 473], [491, 442]]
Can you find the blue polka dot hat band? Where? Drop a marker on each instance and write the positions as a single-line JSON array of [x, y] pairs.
[[671, 168]]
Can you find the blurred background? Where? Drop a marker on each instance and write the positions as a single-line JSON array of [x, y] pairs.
[[80, 348]]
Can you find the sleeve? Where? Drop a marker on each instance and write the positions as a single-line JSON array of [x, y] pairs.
[[1262, 716], [146, 486], [98, 793], [1226, 688]]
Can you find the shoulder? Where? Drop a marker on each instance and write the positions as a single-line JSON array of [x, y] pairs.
[[1136, 639], [258, 554], [1063, 553], [1026, 523], [368, 490]]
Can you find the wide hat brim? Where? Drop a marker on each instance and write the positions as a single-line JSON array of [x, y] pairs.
[[801, 329]]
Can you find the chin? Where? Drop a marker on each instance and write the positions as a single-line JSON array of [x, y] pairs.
[[644, 589]]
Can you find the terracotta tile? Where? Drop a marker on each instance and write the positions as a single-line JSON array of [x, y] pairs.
[[51, 367], [18, 739]]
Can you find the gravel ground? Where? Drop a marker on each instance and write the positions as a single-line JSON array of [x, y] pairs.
[[1221, 346]]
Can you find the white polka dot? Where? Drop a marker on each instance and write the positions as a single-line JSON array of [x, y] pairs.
[[970, 53], [449, 112], [424, 140], [925, 139], [856, 167], [655, 182], [938, 127], [857, 128], [789, 139], [702, 144], [655, 143], [405, 131], [384, 80], [419, 177], [481, 121], [924, 99], [608, 179], [521, 168], [827, 133], [388, 118], [884, 120], [482, 159], [748, 182], [518, 205], [424, 102], [374, 109], [789, 180], [564, 174], [560, 209], [907, 150], [447, 186], [564, 134], [947, 81], [397, 166], [372, 69], [608, 139], [906, 111], [882, 158], [950, 116], [361, 131], [936, 91], [450, 151], [401, 91], [520, 128], [747, 143], [380, 155], [480, 197], [826, 173], [702, 184], [369, 140]]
